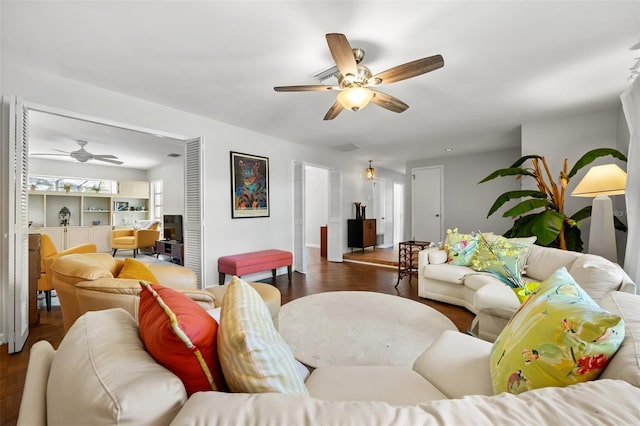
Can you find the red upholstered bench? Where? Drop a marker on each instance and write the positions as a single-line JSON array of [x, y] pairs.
[[257, 261]]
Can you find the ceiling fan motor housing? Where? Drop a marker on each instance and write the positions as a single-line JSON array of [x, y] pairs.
[[364, 74]]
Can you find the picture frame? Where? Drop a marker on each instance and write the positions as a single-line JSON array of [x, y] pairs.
[[249, 186], [121, 206]]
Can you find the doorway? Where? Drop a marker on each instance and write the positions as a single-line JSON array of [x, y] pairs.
[[426, 204], [398, 214], [17, 278], [316, 200]]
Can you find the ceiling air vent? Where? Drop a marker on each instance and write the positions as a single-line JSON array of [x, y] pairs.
[[347, 147], [173, 155]]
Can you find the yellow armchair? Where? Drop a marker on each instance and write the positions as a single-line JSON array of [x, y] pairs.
[[134, 239], [49, 253]]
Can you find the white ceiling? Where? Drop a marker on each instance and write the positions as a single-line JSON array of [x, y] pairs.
[[506, 63]]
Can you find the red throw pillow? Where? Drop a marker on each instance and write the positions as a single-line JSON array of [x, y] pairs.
[[181, 336]]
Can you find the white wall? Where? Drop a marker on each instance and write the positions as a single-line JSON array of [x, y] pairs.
[[172, 176], [223, 235], [466, 203], [570, 138], [316, 203], [40, 166]]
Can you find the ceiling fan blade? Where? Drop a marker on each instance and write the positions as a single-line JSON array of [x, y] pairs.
[[388, 102], [106, 160], [342, 54], [100, 156], [408, 70], [333, 111], [59, 150], [309, 88], [46, 153]]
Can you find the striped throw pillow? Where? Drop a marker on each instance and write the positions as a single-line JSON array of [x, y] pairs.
[[253, 355]]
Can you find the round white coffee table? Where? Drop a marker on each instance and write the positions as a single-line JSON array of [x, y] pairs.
[[359, 328]]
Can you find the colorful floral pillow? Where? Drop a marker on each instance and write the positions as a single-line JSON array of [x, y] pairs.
[[499, 256], [460, 247], [559, 337]]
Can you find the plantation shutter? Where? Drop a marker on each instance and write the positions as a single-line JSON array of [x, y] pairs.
[[194, 209]]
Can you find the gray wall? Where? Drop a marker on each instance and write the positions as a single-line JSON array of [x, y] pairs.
[[466, 203], [570, 138]]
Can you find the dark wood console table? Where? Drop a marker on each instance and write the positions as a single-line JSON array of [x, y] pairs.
[[408, 258], [171, 248], [361, 233]]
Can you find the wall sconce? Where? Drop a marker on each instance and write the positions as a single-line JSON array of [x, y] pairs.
[[370, 173], [600, 182]]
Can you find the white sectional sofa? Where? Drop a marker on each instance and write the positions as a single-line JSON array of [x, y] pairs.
[[493, 302], [101, 374]]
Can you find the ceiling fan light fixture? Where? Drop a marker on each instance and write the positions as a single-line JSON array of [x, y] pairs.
[[355, 98]]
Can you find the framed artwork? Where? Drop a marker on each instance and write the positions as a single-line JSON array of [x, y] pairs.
[[249, 186], [122, 206]]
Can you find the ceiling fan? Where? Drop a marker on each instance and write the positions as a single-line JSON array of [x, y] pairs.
[[355, 80], [83, 155]]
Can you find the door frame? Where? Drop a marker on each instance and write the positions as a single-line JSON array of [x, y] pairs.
[[32, 106]]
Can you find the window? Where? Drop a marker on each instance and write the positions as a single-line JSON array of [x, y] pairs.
[[156, 200], [58, 183]]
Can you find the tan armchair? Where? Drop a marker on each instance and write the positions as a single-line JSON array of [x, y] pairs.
[[134, 239], [49, 253], [89, 282]]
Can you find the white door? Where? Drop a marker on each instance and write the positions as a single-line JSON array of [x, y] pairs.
[[426, 204], [398, 215], [299, 249], [194, 209], [379, 210], [15, 236], [335, 227]]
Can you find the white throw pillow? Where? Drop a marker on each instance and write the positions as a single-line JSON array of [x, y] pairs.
[[253, 355], [596, 275], [437, 257]]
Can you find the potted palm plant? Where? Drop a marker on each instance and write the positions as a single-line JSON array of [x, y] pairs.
[[540, 211]]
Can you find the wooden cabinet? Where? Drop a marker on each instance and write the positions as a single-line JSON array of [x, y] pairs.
[[132, 188], [65, 237], [361, 233], [34, 275], [171, 248]]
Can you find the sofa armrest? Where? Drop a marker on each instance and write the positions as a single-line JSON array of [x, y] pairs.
[[33, 406], [174, 276], [628, 287], [457, 364]]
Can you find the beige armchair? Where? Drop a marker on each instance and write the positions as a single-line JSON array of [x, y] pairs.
[[134, 239], [89, 282], [49, 253]]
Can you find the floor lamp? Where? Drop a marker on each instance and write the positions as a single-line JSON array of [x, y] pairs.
[[600, 182]]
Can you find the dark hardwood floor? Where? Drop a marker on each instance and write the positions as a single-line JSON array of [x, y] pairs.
[[321, 276]]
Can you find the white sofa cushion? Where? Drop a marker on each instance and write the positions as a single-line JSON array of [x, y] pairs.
[[496, 299], [391, 384], [544, 261], [611, 402], [625, 365], [445, 272], [96, 380], [457, 364], [596, 275]]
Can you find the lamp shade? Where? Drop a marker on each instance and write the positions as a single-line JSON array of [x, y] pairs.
[[602, 180], [355, 98]]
